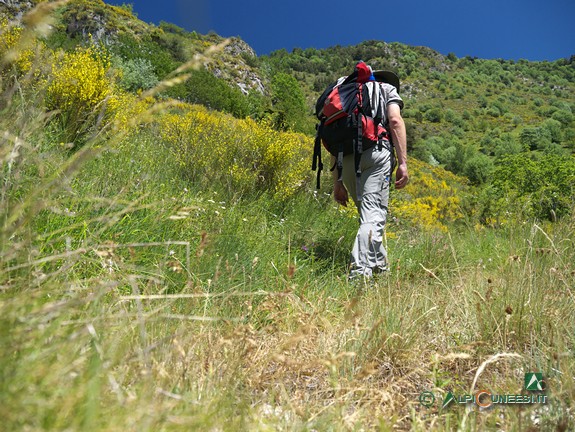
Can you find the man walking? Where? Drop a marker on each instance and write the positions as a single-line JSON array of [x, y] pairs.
[[370, 191]]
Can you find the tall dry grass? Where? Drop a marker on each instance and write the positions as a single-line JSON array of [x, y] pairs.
[[130, 302]]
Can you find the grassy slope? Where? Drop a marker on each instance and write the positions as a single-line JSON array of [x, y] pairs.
[[260, 332], [256, 327]]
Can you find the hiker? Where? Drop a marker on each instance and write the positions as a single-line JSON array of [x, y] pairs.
[[365, 174]]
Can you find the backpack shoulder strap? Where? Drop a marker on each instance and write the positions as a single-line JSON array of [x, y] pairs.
[[376, 100]]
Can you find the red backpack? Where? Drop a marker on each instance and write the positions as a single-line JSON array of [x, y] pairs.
[[351, 114]]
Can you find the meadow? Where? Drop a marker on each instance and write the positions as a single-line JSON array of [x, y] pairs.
[[166, 267]]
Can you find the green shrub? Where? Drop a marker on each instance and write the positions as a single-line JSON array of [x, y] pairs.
[[136, 74], [434, 115], [543, 187], [565, 117], [534, 138], [289, 103], [478, 169], [131, 49], [204, 88]]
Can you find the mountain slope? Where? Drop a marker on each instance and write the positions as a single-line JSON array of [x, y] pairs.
[[463, 114]]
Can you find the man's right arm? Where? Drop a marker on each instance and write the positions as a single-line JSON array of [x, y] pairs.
[[399, 137]]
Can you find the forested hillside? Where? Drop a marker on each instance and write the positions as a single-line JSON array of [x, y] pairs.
[[471, 116], [167, 264]]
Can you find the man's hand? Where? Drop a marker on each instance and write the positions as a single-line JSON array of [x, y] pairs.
[[340, 193], [401, 176]]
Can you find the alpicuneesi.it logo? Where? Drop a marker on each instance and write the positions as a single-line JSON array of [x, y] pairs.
[[534, 382]]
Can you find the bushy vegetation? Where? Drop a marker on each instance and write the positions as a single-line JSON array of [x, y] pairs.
[[170, 267], [533, 188], [241, 156], [464, 114], [205, 89], [79, 91], [137, 74]]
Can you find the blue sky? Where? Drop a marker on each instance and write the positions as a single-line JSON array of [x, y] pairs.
[[508, 29]]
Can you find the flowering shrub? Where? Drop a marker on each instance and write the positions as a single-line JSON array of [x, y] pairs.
[[430, 199], [79, 88], [243, 155], [79, 80], [9, 51], [128, 110]]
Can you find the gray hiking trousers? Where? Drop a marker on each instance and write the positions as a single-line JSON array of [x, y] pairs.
[[370, 192]]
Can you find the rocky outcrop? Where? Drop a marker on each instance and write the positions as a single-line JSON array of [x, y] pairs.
[[245, 76], [248, 80], [89, 24], [238, 47], [236, 65], [15, 9]]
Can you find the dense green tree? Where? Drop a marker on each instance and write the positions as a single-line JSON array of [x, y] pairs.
[[289, 103], [544, 187], [506, 145], [478, 168], [534, 138], [563, 116], [205, 89], [458, 156], [434, 115], [554, 129]]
